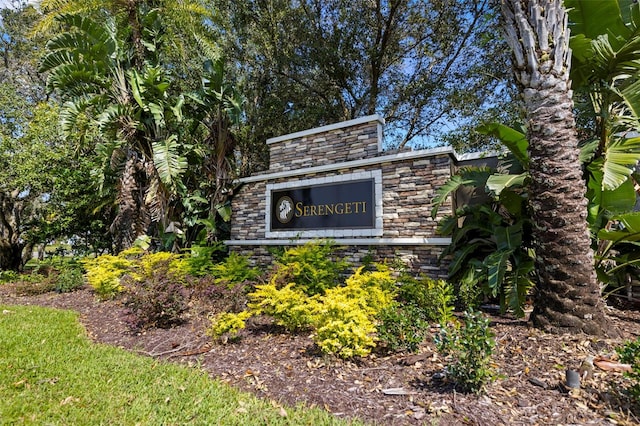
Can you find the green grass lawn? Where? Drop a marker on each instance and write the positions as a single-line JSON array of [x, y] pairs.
[[51, 374]]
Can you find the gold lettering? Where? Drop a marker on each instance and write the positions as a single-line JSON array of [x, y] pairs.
[[339, 208], [299, 209], [329, 208], [347, 209], [314, 210], [364, 206], [321, 208], [306, 211]]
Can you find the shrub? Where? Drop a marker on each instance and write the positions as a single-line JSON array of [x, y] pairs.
[[158, 301], [68, 280], [468, 351], [9, 276], [289, 306], [34, 284], [433, 299], [227, 323], [630, 354], [235, 269], [312, 266], [345, 317], [103, 273], [402, 327], [221, 297]]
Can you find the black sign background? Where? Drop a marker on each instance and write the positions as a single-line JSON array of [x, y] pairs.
[[330, 194]]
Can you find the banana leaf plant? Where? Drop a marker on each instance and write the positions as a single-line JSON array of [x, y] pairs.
[[491, 239], [618, 261]]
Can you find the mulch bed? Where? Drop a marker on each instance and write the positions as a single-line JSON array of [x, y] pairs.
[[401, 389]]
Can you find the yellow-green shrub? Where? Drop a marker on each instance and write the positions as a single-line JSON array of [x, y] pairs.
[[228, 323], [289, 306], [103, 273], [345, 318]]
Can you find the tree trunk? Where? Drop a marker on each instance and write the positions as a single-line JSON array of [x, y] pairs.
[[131, 221], [567, 293]]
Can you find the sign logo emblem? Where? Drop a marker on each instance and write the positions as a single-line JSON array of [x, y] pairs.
[[284, 209]]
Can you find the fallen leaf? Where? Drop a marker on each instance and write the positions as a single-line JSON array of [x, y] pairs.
[[608, 365]]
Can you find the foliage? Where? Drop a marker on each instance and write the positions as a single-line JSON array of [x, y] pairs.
[[41, 346], [158, 300], [467, 350], [235, 269], [8, 276], [402, 327], [304, 62], [431, 299], [312, 267], [103, 273], [345, 317], [228, 323], [291, 307], [34, 284], [69, 279], [199, 261], [630, 354], [491, 250]]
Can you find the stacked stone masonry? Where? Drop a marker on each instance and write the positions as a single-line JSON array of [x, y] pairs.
[[410, 180]]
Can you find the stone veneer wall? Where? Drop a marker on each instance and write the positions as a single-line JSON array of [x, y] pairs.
[[409, 182]]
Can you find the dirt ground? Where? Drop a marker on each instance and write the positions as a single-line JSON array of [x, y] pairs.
[[402, 389]]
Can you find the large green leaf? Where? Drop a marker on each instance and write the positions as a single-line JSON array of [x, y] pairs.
[[621, 156], [496, 183], [596, 17], [508, 238], [515, 140], [473, 176], [628, 229], [496, 264], [168, 161]]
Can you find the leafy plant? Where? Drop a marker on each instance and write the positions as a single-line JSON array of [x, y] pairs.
[[467, 350], [8, 276], [103, 273], [432, 299], [228, 324], [630, 354], [401, 327], [157, 301], [34, 283], [312, 266], [491, 237], [235, 269], [288, 305], [68, 280]]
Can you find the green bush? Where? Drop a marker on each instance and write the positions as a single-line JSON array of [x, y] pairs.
[[434, 299], [68, 280], [401, 328], [467, 350], [630, 354], [33, 284], [9, 276], [312, 266], [235, 269]]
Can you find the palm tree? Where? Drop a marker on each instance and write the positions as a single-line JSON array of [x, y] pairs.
[[568, 294]]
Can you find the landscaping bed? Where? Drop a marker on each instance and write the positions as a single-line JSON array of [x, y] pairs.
[[399, 389]]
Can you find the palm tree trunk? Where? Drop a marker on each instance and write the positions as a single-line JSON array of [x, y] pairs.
[[130, 221], [567, 293]]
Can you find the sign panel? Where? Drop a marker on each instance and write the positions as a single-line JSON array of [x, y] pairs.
[[348, 205]]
